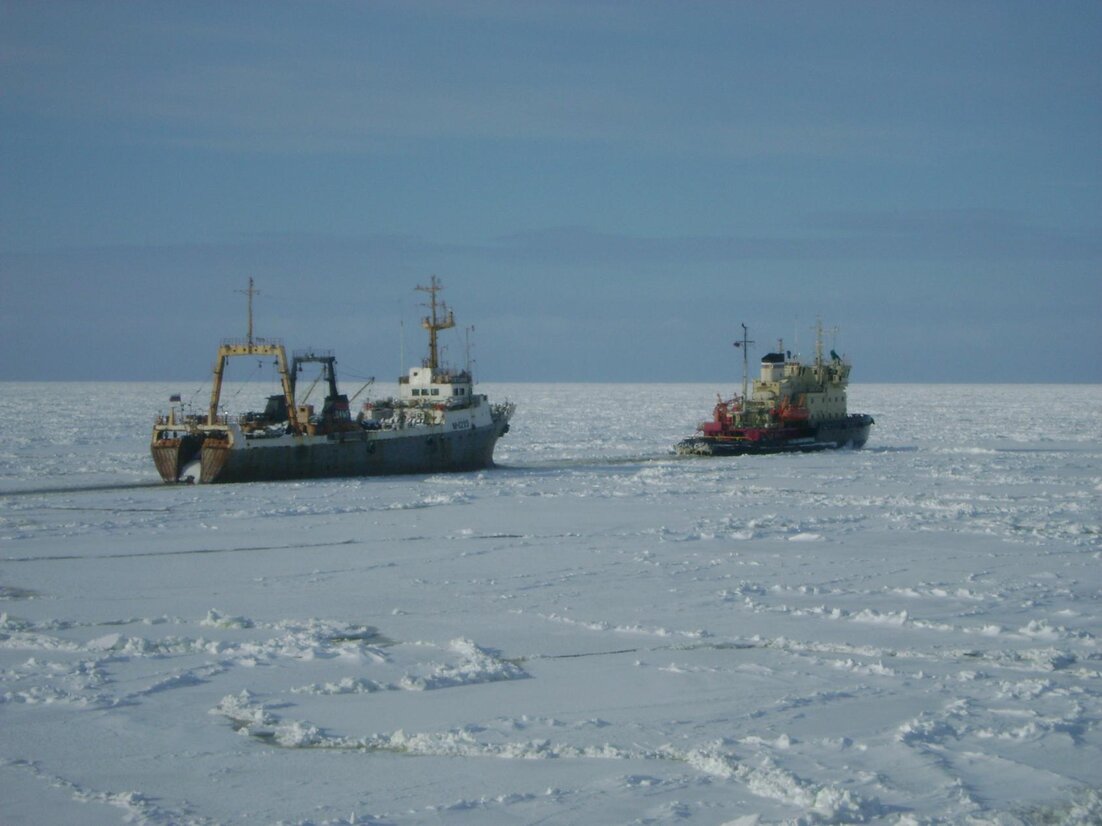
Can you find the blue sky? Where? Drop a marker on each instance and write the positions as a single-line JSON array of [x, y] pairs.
[[606, 190]]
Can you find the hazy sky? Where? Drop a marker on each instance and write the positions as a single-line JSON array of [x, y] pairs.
[[606, 189]]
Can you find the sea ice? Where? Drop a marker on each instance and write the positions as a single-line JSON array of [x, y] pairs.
[[595, 631]]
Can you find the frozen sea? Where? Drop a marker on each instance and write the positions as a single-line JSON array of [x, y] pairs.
[[594, 632]]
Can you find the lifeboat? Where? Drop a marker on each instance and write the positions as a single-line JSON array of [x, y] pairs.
[[793, 413]]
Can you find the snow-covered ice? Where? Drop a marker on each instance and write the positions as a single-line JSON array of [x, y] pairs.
[[596, 631]]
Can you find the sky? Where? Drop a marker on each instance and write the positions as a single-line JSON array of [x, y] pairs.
[[607, 190]]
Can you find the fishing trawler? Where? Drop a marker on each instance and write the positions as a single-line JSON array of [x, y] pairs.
[[794, 407], [437, 422]]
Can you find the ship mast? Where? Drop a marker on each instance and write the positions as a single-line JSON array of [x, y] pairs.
[[250, 292], [436, 321], [745, 345]]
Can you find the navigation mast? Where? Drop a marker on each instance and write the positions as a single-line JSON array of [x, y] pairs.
[[435, 322], [250, 292], [745, 345]]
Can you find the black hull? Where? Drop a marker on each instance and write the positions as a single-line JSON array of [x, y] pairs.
[[851, 432], [356, 454]]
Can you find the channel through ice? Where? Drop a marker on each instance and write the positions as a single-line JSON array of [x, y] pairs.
[[595, 631]]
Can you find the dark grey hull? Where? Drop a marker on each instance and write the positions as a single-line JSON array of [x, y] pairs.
[[354, 454], [852, 431]]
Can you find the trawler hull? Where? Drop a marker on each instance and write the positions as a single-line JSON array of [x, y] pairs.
[[851, 432], [352, 454], [363, 453]]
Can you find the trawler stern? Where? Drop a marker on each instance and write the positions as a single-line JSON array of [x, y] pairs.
[[174, 449]]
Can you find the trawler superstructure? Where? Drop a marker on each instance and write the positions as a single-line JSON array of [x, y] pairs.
[[437, 423], [793, 407]]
